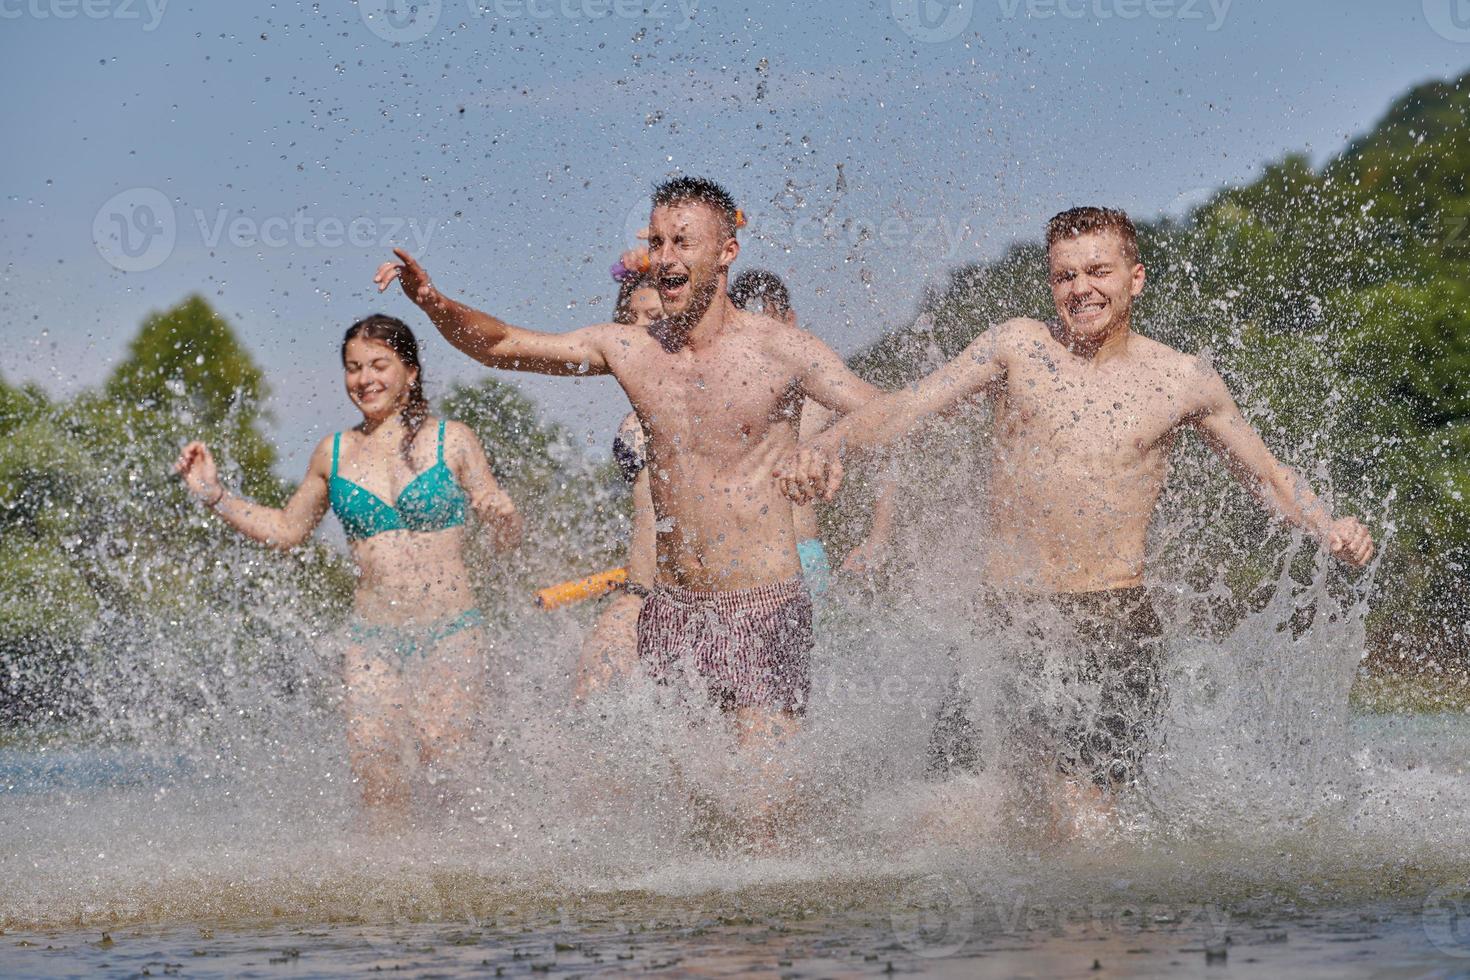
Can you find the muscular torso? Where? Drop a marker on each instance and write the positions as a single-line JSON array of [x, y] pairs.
[[1080, 457], [718, 417]]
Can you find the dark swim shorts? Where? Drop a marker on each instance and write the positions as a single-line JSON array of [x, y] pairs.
[[1084, 686]]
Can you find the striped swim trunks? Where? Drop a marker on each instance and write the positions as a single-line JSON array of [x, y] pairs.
[[746, 647]]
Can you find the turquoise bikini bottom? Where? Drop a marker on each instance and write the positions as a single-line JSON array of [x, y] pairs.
[[410, 641]]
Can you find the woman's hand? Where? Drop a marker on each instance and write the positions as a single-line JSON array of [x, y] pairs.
[[496, 509], [195, 466], [867, 557]]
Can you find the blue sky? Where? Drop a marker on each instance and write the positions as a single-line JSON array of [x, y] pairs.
[[874, 143]]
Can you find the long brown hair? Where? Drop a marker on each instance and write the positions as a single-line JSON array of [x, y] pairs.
[[394, 333]]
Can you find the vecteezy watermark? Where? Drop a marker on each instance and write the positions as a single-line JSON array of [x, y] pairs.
[[304, 230], [400, 21], [1450, 19], [936, 235], [405, 21], [148, 12], [1210, 12], [935, 915], [1446, 920], [932, 21], [137, 230]]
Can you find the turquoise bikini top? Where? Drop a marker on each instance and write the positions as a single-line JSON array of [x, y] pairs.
[[432, 501]]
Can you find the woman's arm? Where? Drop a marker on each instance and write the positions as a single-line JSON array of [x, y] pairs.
[[282, 528], [643, 545], [611, 649], [492, 505]]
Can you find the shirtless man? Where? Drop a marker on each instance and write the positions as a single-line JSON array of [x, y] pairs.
[[1086, 412], [719, 392]]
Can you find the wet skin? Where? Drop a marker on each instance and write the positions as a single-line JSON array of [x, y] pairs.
[[718, 390], [1086, 412]]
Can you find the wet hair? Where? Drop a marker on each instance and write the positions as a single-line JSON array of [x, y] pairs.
[[395, 335], [1090, 220], [763, 287], [630, 284], [683, 190]]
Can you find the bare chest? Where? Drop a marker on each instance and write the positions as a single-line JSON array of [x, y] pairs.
[[715, 403], [1113, 418]]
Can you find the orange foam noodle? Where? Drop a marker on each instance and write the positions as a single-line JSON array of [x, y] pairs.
[[583, 588]]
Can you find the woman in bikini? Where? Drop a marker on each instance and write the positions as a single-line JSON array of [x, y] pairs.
[[414, 667]]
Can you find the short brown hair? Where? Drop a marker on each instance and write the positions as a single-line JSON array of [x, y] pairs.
[[1089, 220], [684, 190]]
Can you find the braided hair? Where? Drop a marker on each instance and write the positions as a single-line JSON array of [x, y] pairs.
[[395, 335]]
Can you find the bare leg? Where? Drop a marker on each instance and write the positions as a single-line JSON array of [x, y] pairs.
[[376, 744], [761, 736], [449, 697]]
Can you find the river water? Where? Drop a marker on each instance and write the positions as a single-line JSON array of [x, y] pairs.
[[1281, 832]]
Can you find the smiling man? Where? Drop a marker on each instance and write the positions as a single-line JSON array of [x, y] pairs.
[[1086, 412], [719, 392]]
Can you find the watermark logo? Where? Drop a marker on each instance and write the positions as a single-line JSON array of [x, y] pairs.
[[1211, 13], [400, 21], [148, 12], [135, 230], [1446, 920], [138, 229], [1450, 19], [406, 21], [934, 916], [932, 21]]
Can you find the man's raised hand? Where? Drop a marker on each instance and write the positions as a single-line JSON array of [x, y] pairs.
[[411, 276]]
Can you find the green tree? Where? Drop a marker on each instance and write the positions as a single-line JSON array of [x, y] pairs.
[[186, 371]]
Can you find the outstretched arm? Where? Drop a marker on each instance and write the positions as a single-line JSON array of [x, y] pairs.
[[283, 528], [489, 339], [816, 469], [492, 505], [1275, 484]]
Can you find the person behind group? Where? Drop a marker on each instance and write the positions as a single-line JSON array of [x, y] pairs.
[[611, 648], [760, 290], [403, 484], [1086, 413], [719, 393]]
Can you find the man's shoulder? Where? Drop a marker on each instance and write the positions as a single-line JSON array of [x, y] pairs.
[[1017, 335], [1192, 376], [1160, 356], [1021, 330], [776, 336], [616, 338]]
